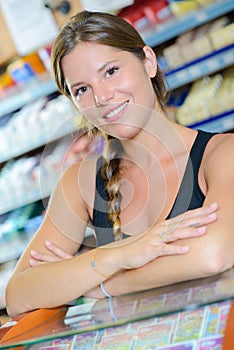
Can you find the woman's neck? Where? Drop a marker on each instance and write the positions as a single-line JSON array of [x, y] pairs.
[[159, 138]]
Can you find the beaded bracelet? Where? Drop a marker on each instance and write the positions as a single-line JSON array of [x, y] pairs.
[[93, 264], [104, 291]]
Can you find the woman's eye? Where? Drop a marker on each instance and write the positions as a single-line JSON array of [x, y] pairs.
[[81, 91], [111, 71]]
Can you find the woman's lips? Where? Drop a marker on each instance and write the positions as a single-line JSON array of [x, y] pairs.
[[115, 112]]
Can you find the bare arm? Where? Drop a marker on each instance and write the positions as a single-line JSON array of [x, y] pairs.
[[58, 282], [61, 222], [209, 254], [183, 226]]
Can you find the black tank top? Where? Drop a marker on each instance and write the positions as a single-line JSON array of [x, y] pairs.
[[189, 195]]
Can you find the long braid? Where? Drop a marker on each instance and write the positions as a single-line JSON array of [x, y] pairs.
[[111, 174]]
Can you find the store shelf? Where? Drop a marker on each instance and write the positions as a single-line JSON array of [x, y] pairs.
[[32, 91], [44, 139], [161, 33], [13, 253], [220, 123], [24, 200], [194, 70]]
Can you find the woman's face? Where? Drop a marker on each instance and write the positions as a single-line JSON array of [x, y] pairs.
[[111, 87]]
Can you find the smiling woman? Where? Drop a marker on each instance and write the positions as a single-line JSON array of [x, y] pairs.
[[157, 197]]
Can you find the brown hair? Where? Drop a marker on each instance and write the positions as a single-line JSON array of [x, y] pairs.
[[105, 29]]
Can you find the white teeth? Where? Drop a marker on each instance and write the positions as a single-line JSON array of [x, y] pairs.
[[116, 111]]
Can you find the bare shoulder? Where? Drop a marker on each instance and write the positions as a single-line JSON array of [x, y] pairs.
[[72, 176], [77, 183], [71, 203], [221, 145], [219, 155]]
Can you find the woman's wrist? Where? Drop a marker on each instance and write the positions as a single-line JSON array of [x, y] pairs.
[[96, 264], [105, 262]]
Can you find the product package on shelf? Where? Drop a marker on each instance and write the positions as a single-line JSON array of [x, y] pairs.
[[31, 178], [36, 124], [198, 43], [207, 97], [142, 14], [25, 71], [16, 229]]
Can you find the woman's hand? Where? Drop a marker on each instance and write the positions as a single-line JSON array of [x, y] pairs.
[[58, 254], [140, 249]]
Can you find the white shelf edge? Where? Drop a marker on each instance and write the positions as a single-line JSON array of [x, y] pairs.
[[221, 124]]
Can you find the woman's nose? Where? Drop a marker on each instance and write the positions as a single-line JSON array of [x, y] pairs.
[[103, 95]]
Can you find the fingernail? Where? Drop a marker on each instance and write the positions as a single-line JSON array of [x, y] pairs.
[[48, 243], [33, 252], [185, 248], [32, 262], [202, 229], [213, 205], [212, 216]]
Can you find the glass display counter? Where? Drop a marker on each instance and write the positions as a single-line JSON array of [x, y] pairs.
[[190, 315]]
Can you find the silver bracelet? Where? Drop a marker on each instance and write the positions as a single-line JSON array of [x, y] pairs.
[[104, 291]]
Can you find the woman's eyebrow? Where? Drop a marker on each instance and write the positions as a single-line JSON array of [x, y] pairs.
[[76, 84], [106, 65]]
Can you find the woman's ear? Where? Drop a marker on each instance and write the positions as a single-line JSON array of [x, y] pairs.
[[150, 61]]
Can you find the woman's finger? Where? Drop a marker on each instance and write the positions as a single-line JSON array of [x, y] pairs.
[[56, 250], [181, 233], [194, 218], [149, 251], [35, 262], [200, 212], [42, 257], [59, 254], [168, 249]]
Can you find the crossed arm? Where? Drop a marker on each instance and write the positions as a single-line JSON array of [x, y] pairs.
[[209, 254], [139, 262]]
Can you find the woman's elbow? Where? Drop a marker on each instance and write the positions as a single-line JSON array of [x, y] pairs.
[[216, 259], [12, 305]]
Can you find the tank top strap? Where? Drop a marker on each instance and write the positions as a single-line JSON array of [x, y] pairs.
[[190, 195], [198, 148]]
